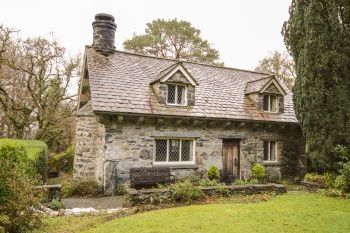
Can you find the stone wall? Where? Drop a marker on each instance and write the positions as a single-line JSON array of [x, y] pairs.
[[89, 138], [163, 196], [130, 143]]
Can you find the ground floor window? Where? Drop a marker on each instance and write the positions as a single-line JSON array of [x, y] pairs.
[[270, 151], [174, 151]]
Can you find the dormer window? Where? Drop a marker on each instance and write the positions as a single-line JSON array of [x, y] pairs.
[[267, 94], [176, 94], [270, 103], [175, 86]]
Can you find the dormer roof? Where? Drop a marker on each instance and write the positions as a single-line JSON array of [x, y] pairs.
[[265, 85], [167, 73]]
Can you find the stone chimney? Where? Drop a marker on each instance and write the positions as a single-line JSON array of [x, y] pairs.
[[104, 33]]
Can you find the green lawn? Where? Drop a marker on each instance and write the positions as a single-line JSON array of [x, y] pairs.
[[293, 212]]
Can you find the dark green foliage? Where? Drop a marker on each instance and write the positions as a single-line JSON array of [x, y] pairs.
[[17, 196], [290, 167], [258, 171], [173, 39], [213, 173], [318, 36], [63, 162]]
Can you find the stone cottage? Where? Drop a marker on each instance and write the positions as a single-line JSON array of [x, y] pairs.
[[142, 111]]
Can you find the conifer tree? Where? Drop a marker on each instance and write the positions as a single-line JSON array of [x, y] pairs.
[[317, 35]]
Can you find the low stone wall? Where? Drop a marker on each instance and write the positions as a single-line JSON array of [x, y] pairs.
[[312, 185], [147, 196], [50, 191]]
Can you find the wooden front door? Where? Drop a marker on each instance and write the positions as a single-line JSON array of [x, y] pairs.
[[231, 159]]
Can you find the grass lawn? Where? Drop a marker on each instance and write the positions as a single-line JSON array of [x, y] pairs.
[[293, 212]]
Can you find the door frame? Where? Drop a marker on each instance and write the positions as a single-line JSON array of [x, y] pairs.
[[237, 143]]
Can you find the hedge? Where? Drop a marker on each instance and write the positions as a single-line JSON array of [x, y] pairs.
[[37, 153]]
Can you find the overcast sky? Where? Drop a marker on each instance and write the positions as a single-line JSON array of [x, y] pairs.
[[244, 31]]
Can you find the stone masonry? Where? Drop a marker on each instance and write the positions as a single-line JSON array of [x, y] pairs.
[[128, 143]]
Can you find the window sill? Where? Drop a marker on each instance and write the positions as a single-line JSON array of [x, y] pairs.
[[271, 163], [176, 105], [272, 113], [177, 166]]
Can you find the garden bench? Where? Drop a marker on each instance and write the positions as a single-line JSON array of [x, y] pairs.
[[143, 177]]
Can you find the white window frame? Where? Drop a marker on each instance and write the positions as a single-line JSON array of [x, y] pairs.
[[269, 151], [269, 107], [176, 85], [164, 163]]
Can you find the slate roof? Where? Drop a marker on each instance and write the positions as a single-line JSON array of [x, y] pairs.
[[120, 83], [256, 85]]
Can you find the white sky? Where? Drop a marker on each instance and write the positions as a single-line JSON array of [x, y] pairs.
[[244, 31]]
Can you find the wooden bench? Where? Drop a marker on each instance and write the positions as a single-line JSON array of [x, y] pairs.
[[145, 177]]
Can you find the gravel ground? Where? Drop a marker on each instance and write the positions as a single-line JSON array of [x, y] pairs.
[[96, 203]]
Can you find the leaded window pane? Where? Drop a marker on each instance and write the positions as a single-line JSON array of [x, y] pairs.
[[161, 150], [180, 95], [266, 103], [273, 103], [171, 93], [186, 150], [272, 150], [266, 150], [174, 150]]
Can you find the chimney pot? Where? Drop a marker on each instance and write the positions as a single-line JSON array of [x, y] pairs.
[[104, 33]]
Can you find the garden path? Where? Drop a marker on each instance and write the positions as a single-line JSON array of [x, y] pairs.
[[97, 203]]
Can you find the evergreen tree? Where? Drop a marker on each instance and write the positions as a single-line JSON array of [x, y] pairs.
[[317, 35], [173, 39]]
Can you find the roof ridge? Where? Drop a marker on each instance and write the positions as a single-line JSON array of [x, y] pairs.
[[184, 61], [257, 80]]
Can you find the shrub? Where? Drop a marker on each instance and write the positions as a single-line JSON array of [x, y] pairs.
[[242, 182], [36, 153], [63, 161], [208, 182], [258, 171], [222, 189], [119, 190], [315, 178], [213, 173], [185, 192], [342, 181], [85, 188], [56, 204], [329, 180], [66, 190], [17, 196]]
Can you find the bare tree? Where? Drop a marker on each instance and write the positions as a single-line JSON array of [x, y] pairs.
[[35, 77], [281, 65]]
